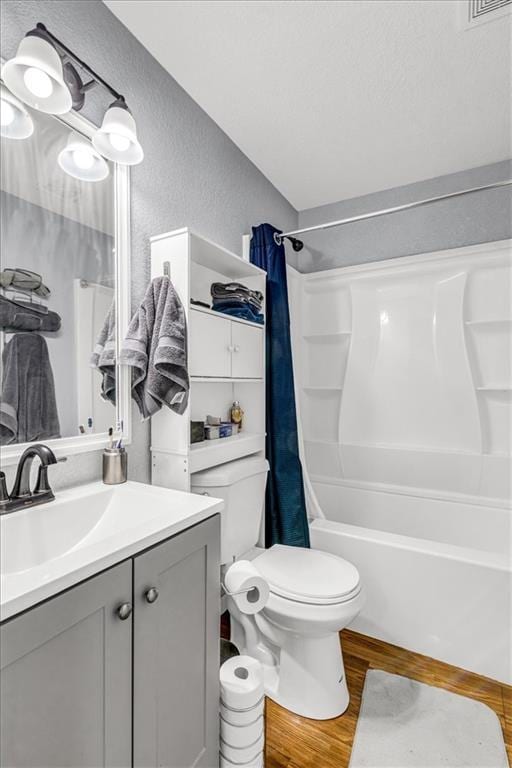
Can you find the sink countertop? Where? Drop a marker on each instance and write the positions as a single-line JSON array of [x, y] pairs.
[[49, 548]]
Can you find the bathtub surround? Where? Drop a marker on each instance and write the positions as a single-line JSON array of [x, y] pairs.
[[404, 373], [409, 724], [285, 519], [479, 218], [192, 172]]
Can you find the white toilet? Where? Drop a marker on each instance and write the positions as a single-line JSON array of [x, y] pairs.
[[313, 595]]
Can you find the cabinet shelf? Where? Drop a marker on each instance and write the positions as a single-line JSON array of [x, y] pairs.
[[495, 388], [223, 380], [211, 312], [209, 453]]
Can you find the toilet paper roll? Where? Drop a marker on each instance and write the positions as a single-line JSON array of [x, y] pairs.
[[256, 763], [240, 736], [241, 682], [243, 575], [244, 755], [242, 716]]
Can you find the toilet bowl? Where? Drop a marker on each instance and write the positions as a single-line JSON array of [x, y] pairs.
[[313, 595]]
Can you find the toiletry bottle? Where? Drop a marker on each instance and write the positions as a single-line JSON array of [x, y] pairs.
[[237, 414]]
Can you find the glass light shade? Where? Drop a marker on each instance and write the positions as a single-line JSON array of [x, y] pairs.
[[80, 160], [35, 76], [15, 121], [117, 137]]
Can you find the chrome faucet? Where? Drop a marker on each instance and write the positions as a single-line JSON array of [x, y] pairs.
[[21, 496]]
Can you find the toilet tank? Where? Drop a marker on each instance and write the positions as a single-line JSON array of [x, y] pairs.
[[241, 484]]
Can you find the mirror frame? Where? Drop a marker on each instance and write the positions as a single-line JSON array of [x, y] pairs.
[[67, 446]]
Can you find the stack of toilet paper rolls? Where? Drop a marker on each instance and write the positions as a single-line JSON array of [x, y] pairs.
[[242, 725]]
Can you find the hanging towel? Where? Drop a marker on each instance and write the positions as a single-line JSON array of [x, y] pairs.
[[28, 409], [19, 315], [156, 349], [104, 356]]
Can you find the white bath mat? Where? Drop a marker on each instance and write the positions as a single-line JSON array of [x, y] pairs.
[[405, 724]]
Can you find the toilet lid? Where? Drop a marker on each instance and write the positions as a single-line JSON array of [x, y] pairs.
[[308, 575]]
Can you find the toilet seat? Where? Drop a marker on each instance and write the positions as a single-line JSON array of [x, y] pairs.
[[308, 575]]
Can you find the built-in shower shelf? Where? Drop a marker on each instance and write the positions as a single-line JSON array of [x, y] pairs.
[[323, 389], [496, 321], [337, 335]]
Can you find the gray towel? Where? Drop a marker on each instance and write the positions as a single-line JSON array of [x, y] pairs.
[[19, 315], [104, 356], [156, 348], [28, 410]]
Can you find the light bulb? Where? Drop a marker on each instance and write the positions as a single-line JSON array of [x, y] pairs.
[[83, 159], [38, 82], [121, 143], [7, 113]]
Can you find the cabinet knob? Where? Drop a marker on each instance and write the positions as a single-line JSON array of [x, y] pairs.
[[151, 595], [124, 611], [230, 348], [236, 348]]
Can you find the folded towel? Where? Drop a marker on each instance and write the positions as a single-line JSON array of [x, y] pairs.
[[156, 348], [230, 290], [28, 409], [245, 313], [25, 280], [18, 315], [104, 356]]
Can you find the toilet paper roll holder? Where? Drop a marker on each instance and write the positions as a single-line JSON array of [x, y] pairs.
[[244, 591]]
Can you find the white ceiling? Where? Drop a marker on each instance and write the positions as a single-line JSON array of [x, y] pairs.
[[337, 99]]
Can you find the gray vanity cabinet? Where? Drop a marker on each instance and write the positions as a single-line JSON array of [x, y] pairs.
[[65, 681], [176, 651]]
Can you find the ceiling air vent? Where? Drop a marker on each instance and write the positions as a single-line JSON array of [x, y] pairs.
[[479, 12]]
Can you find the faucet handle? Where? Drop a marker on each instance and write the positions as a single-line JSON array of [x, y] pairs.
[[4, 495], [42, 484]]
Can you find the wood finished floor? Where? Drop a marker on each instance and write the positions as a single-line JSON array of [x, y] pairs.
[[295, 742]]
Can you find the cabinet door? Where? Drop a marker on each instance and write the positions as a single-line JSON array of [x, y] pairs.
[[247, 345], [210, 345], [176, 651], [65, 680]]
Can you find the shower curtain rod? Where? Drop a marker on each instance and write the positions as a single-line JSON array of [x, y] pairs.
[[407, 206]]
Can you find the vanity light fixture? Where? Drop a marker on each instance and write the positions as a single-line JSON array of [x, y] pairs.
[[45, 75], [80, 160], [117, 137], [15, 121], [36, 76]]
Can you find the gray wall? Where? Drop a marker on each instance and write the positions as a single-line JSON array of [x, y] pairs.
[[193, 175], [476, 218]]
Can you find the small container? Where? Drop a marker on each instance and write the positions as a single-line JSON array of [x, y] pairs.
[[226, 429], [236, 415], [196, 431], [115, 466], [211, 433], [213, 421]]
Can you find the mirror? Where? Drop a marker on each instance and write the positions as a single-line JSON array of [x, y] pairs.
[[63, 286]]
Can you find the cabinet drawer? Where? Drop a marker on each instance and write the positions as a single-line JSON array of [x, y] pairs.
[[210, 345], [247, 344]]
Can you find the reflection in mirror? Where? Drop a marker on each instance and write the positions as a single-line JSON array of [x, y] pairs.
[[57, 337]]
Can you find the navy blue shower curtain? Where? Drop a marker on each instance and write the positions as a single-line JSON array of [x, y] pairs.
[[286, 519]]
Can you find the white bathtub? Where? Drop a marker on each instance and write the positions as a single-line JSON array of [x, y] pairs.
[[436, 568]]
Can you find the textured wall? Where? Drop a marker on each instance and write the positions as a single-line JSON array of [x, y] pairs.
[[476, 218], [192, 175]]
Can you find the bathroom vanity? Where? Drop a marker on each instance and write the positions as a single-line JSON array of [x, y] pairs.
[[109, 640]]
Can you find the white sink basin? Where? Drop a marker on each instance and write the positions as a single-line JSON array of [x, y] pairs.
[[47, 548]]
